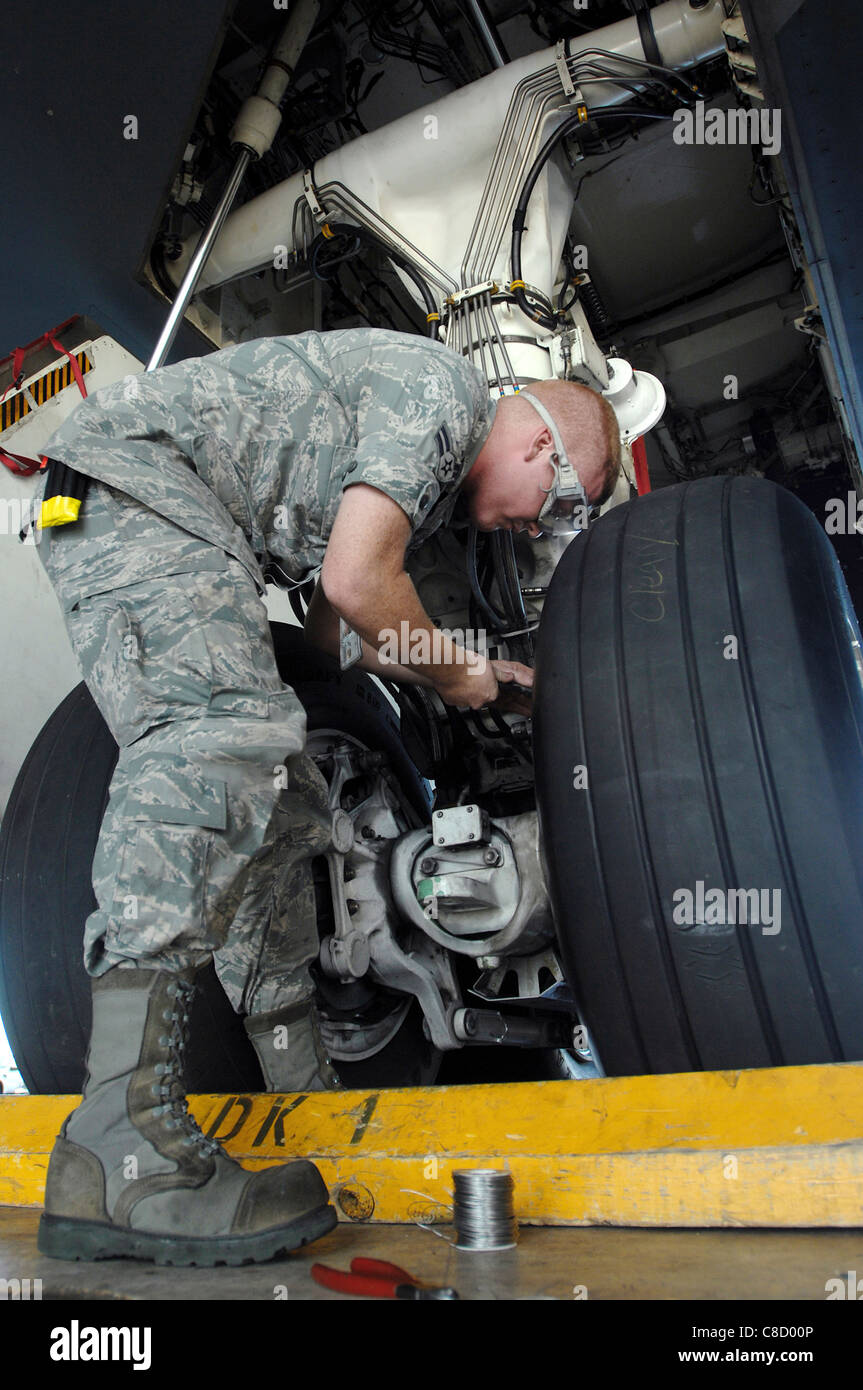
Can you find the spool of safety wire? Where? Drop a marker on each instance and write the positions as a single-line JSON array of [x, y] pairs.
[[483, 1213]]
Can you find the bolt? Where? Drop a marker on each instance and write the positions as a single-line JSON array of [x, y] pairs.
[[438, 814], [428, 866], [491, 855], [439, 840]]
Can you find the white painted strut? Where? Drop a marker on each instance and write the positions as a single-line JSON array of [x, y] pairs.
[[425, 172]]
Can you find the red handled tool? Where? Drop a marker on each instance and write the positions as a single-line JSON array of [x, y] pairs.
[[376, 1279]]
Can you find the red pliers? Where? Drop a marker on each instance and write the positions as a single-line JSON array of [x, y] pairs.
[[376, 1279]]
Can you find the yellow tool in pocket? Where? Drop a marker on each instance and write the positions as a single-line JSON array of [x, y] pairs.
[[65, 491]]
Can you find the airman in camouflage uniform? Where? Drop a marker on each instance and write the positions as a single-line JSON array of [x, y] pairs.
[[208, 476], [209, 472]]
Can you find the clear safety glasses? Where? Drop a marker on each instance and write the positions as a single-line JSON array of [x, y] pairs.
[[566, 508]]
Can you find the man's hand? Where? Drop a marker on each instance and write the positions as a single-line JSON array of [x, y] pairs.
[[475, 689], [511, 701]]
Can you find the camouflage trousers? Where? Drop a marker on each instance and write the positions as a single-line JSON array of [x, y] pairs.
[[214, 811]]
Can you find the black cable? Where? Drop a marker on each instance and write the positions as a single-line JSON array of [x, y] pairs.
[[333, 256], [572, 275], [498, 622], [590, 173], [387, 38], [364, 234], [509, 587], [501, 728], [586, 56], [563, 309], [506, 574], [594, 308], [571, 124]]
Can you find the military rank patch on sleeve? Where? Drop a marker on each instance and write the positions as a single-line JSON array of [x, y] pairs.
[[447, 466]]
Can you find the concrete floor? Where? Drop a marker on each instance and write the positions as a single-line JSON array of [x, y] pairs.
[[549, 1263]]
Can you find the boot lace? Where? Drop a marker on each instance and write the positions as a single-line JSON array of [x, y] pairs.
[[170, 1089]]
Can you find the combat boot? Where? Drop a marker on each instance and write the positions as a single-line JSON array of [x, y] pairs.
[[132, 1175], [290, 1050]]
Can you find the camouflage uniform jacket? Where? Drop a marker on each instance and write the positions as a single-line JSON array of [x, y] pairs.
[[252, 447]]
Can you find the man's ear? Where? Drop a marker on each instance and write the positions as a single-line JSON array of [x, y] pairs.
[[540, 442]]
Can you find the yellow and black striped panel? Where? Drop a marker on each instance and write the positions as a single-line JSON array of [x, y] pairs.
[[15, 407]]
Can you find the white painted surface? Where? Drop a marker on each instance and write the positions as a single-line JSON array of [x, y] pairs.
[[429, 188]]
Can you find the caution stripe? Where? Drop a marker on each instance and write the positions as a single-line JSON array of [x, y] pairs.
[[16, 406]]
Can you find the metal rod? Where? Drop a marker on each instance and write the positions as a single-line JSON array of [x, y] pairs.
[[500, 340], [487, 33], [197, 263], [488, 320]]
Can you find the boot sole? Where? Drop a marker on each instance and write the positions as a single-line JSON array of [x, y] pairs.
[[64, 1238]]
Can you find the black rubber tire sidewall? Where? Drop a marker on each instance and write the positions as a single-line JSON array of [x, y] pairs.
[[739, 772]]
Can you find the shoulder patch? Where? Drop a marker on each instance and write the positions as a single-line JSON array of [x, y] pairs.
[[447, 465]]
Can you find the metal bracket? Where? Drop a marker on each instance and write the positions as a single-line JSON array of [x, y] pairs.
[[560, 58], [311, 196], [811, 323], [459, 296], [573, 94], [459, 825]]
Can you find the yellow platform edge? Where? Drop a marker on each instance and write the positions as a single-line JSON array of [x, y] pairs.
[[778, 1147]]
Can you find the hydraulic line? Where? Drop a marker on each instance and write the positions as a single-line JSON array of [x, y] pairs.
[[571, 124], [497, 621], [499, 338], [509, 584], [339, 196], [533, 101], [525, 89], [363, 234], [490, 336]]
